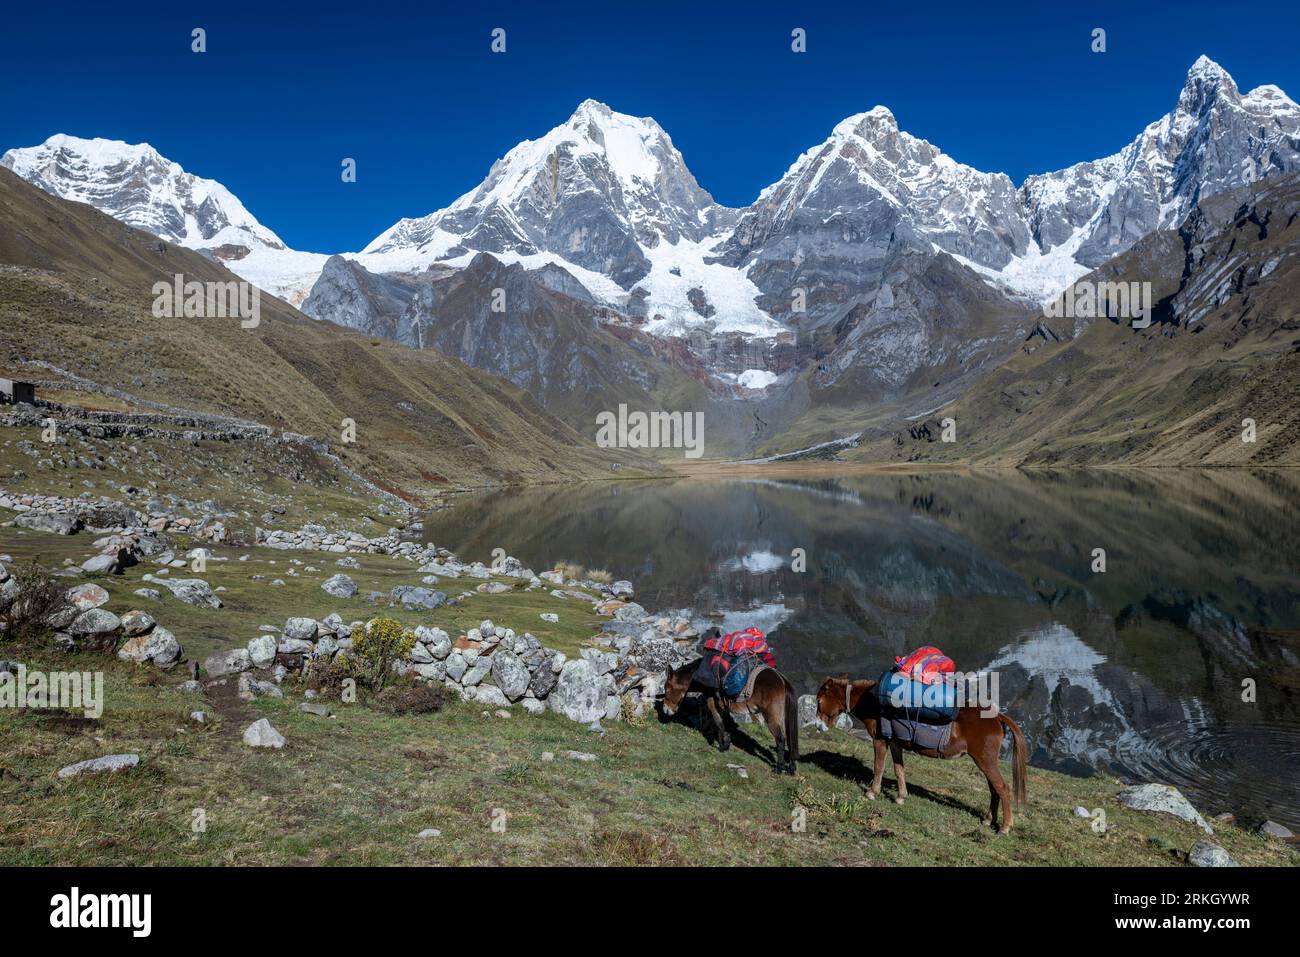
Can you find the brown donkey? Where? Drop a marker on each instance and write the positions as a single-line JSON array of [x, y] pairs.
[[972, 734], [773, 699]]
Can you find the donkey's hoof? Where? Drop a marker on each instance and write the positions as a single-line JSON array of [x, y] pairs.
[[899, 800], [872, 795]]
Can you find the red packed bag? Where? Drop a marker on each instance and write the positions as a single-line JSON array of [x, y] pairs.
[[927, 665]]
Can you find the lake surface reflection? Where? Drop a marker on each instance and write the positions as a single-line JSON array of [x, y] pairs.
[[1143, 671]]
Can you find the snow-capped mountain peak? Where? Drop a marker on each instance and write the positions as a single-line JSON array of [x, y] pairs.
[[607, 197], [1215, 139], [620, 175], [135, 184], [869, 174]]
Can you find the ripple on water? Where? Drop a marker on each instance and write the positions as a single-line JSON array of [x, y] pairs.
[[1252, 770]]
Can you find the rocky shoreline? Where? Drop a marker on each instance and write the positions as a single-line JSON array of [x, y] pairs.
[[617, 678]]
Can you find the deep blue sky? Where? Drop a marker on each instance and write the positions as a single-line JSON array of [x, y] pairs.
[[286, 91]]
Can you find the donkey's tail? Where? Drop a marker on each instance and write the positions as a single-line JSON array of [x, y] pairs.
[[791, 723], [1019, 772]]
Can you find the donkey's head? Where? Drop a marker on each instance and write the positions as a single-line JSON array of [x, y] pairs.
[[675, 687], [831, 701]]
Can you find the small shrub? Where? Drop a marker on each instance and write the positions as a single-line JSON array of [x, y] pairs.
[[518, 774], [414, 697], [599, 575], [633, 848], [375, 647], [570, 570], [39, 599], [326, 675]]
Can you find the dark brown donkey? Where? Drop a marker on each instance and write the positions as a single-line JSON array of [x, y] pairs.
[[972, 734], [773, 699]]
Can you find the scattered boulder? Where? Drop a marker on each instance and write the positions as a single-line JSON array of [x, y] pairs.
[[429, 832], [87, 596], [108, 764], [158, 647], [340, 586], [55, 523], [551, 617], [314, 707], [227, 662], [260, 734], [1164, 798], [1273, 829], [416, 597], [250, 688], [1206, 854], [192, 591], [108, 563]]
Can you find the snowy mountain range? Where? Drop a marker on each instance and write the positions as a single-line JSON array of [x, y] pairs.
[[876, 229]]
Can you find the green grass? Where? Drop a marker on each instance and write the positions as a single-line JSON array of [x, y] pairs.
[[246, 479], [247, 603], [357, 788]]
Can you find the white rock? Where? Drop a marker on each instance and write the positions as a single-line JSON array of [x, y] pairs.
[[110, 763], [260, 734], [261, 651], [1164, 798]]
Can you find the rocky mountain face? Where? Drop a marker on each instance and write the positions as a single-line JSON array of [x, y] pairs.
[[867, 187], [134, 184], [878, 268], [594, 190], [1215, 139], [1221, 349], [142, 189]]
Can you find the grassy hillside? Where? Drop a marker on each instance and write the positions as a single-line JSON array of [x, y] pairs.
[[357, 788], [76, 292]]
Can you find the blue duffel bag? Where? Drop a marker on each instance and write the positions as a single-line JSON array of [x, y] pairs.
[[737, 676], [901, 697]]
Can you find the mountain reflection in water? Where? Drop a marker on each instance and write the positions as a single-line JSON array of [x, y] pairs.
[[1138, 671]]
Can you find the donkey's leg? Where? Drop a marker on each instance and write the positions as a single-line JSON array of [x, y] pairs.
[[878, 771], [719, 723], [999, 793], [991, 818], [777, 729], [896, 750]]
